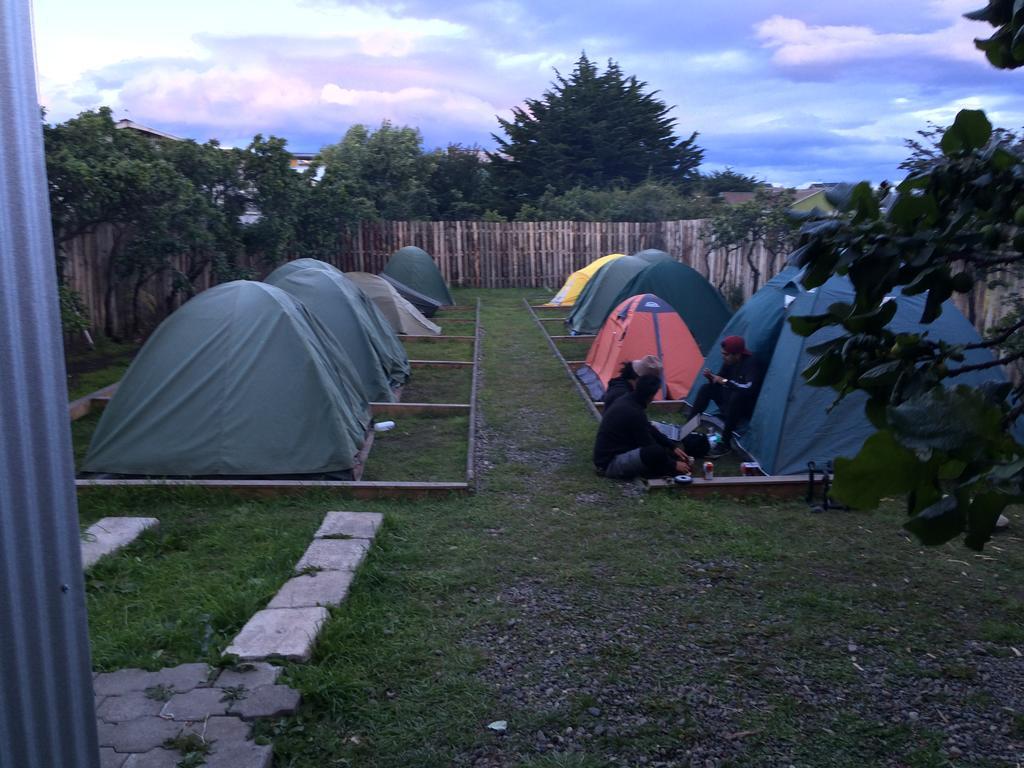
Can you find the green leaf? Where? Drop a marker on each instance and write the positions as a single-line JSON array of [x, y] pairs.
[[982, 515], [805, 325], [826, 370], [881, 375], [864, 203], [908, 210], [874, 321], [970, 130], [933, 304], [874, 409], [882, 468], [957, 421], [938, 523]]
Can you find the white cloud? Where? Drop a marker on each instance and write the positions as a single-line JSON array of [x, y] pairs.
[[399, 105], [798, 44]]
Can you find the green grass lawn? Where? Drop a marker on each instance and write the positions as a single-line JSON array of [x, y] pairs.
[[607, 627], [429, 348], [438, 385], [90, 371]]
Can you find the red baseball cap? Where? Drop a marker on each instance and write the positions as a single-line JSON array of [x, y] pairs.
[[735, 345]]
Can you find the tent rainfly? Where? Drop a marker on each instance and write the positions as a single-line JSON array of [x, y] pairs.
[[653, 255], [402, 316], [688, 292], [339, 304], [413, 267], [758, 321], [643, 325], [595, 301], [570, 291], [241, 381], [794, 423]]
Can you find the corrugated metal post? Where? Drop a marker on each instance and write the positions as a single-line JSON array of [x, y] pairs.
[[47, 717]]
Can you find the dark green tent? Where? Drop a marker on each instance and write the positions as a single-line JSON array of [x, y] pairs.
[[413, 267], [371, 344], [758, 321], [595, 301], [794, 423], [652, 255], [243, 381], [688, 292]]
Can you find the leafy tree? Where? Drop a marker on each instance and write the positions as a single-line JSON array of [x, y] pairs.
[[1005, 48], [958, 219], [740, 229], [383, 174], [591, 130], [649, 201], [716, 182], [277, 195], [460, 183], [99, 175]]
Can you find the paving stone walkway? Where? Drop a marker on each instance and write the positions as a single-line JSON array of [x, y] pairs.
[[288, 626], [202, 710], [111, 534]]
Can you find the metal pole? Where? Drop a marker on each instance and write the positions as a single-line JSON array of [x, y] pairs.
[[47, 716]]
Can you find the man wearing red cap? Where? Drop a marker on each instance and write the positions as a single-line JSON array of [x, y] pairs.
[[733, 389]]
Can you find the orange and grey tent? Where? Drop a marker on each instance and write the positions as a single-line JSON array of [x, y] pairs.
[[643, 325]]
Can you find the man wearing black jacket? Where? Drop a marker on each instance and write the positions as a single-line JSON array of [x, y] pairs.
[[734, 389], [631, 371], [627, 445]]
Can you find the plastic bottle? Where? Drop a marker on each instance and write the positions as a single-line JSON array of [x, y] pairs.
[[383, 426]]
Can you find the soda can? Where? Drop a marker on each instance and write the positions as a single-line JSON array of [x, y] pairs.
[[709, 470], [750, 468]]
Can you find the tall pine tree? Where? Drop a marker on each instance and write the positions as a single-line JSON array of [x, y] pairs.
[[591, 130]]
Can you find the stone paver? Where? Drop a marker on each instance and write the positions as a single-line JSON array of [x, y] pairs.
[[196, 704], [319, 588], [139, 735], [261, 673], [139, 742], [110, 534], [333, 554], [134, 704], [220, 730], [267, 701], [155, 758], [284, 632], [357, 525], [183, 677], [122, 681], [250, 755], [111, 759]]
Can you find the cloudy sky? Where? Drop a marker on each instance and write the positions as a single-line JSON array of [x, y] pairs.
[[791, 91]]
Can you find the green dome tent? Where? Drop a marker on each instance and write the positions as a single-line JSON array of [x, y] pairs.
[[241, 381], [653, 255], [413, 267], [758, 321], [596, 300], [794, 423], [695, 299], [372, 347]]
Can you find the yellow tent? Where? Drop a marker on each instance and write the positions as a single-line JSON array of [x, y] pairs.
[[571, 290]]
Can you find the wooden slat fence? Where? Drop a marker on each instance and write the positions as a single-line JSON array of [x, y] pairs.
[[469, 253]]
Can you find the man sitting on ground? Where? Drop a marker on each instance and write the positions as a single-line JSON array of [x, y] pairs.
[[628, 446], [631, 370], [734, 389]]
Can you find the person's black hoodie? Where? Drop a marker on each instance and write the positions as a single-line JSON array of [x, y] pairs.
[[623, 428]]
